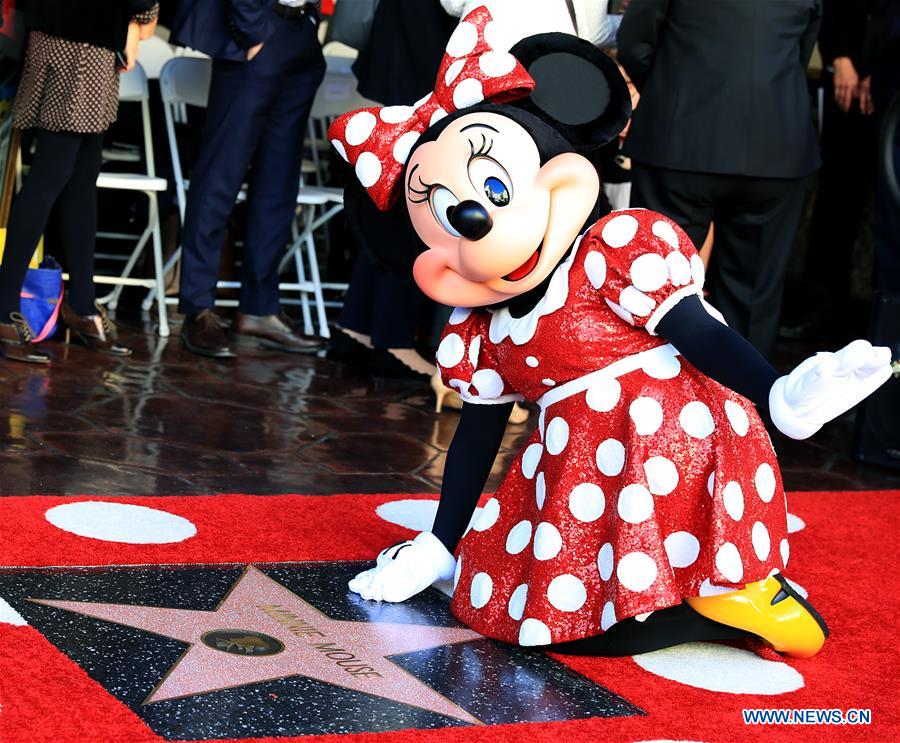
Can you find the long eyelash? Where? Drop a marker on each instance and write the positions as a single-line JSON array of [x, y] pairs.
[[425, 191], [486, 146]]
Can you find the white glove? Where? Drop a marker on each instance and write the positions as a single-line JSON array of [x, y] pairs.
[[405, 569], [827, 385]]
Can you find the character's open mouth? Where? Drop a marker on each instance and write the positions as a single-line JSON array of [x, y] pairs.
[[526, 268]]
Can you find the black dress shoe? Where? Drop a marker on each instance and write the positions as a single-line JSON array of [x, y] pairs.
[[15, 341], [345, 348], [276, 332], [384, 364], [203, 334]]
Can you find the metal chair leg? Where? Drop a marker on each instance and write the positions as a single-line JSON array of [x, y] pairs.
[[154, 294], [304, 294], [158, 267], [112, 299], [324, 332]]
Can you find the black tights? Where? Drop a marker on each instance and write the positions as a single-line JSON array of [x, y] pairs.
[[662, 629], [64, 172]]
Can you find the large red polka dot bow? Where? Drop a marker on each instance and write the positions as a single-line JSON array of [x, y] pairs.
[[377, 141]]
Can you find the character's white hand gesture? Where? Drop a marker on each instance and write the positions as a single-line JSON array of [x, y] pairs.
[[405, 569], [827, 385]]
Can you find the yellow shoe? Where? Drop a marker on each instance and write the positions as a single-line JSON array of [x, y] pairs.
[[772, 610]]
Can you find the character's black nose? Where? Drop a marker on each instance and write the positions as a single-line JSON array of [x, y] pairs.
[[470, 219]]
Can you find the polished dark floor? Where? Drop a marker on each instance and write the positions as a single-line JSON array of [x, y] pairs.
[[168, 422]]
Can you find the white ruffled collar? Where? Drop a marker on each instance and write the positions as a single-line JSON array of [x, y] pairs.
[[521, 330]]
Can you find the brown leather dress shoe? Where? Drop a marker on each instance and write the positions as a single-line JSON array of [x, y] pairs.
[[15, 341], [275, 331], [203, 334], [97, 332]]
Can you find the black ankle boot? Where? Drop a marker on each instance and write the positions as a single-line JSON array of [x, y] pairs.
[[385, 364]]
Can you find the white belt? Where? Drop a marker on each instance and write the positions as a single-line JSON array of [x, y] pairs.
[[616, 369]]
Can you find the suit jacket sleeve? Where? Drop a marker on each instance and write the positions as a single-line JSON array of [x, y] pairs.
[[250, 21], [833, 39], [639, 36], [808, 40]]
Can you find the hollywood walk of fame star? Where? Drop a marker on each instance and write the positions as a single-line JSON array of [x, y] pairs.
[[262, 631]]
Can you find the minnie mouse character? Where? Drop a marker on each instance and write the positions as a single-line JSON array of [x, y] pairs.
[[647, 508]]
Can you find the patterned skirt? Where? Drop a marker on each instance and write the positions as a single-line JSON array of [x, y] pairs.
[[66, 87], [69, 86]]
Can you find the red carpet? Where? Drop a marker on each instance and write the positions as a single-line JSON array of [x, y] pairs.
[[846, 556]]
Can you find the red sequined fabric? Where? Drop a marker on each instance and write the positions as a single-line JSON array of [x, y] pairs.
[[644, 483]]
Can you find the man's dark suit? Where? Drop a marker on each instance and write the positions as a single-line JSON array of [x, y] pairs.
[[849, 146], [256, 122], [223, 29], [724, 133]]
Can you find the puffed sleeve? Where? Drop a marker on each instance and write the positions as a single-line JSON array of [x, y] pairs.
[[467, 361], [643, 264]]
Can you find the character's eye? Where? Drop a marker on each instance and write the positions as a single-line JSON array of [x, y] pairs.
[[489, 176], [442, 202], [496, 191]]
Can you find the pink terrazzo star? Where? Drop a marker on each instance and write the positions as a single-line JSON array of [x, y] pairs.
[[353, 655]]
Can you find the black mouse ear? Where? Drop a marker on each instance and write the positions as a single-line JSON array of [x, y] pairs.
[[578, 89], [387, 237]]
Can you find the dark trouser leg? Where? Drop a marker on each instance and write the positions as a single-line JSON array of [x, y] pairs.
[[756, 221], [51, 168], [381, 304], [235, 119], [662, 629], [294, 68], [78, 224], [685, 198], [849, 143], [396, 311], [356, 314], [887, 235]]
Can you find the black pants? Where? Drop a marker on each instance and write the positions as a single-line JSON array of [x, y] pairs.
[[662, 629], [849, 156], [255, 121], [64, 171], [887, 233], [755, 223]]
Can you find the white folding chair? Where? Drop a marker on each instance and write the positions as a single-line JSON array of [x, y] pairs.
[[133, 88], [184, 81], [153, 53]]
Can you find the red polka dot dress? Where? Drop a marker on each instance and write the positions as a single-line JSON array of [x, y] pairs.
[[645, 482]]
